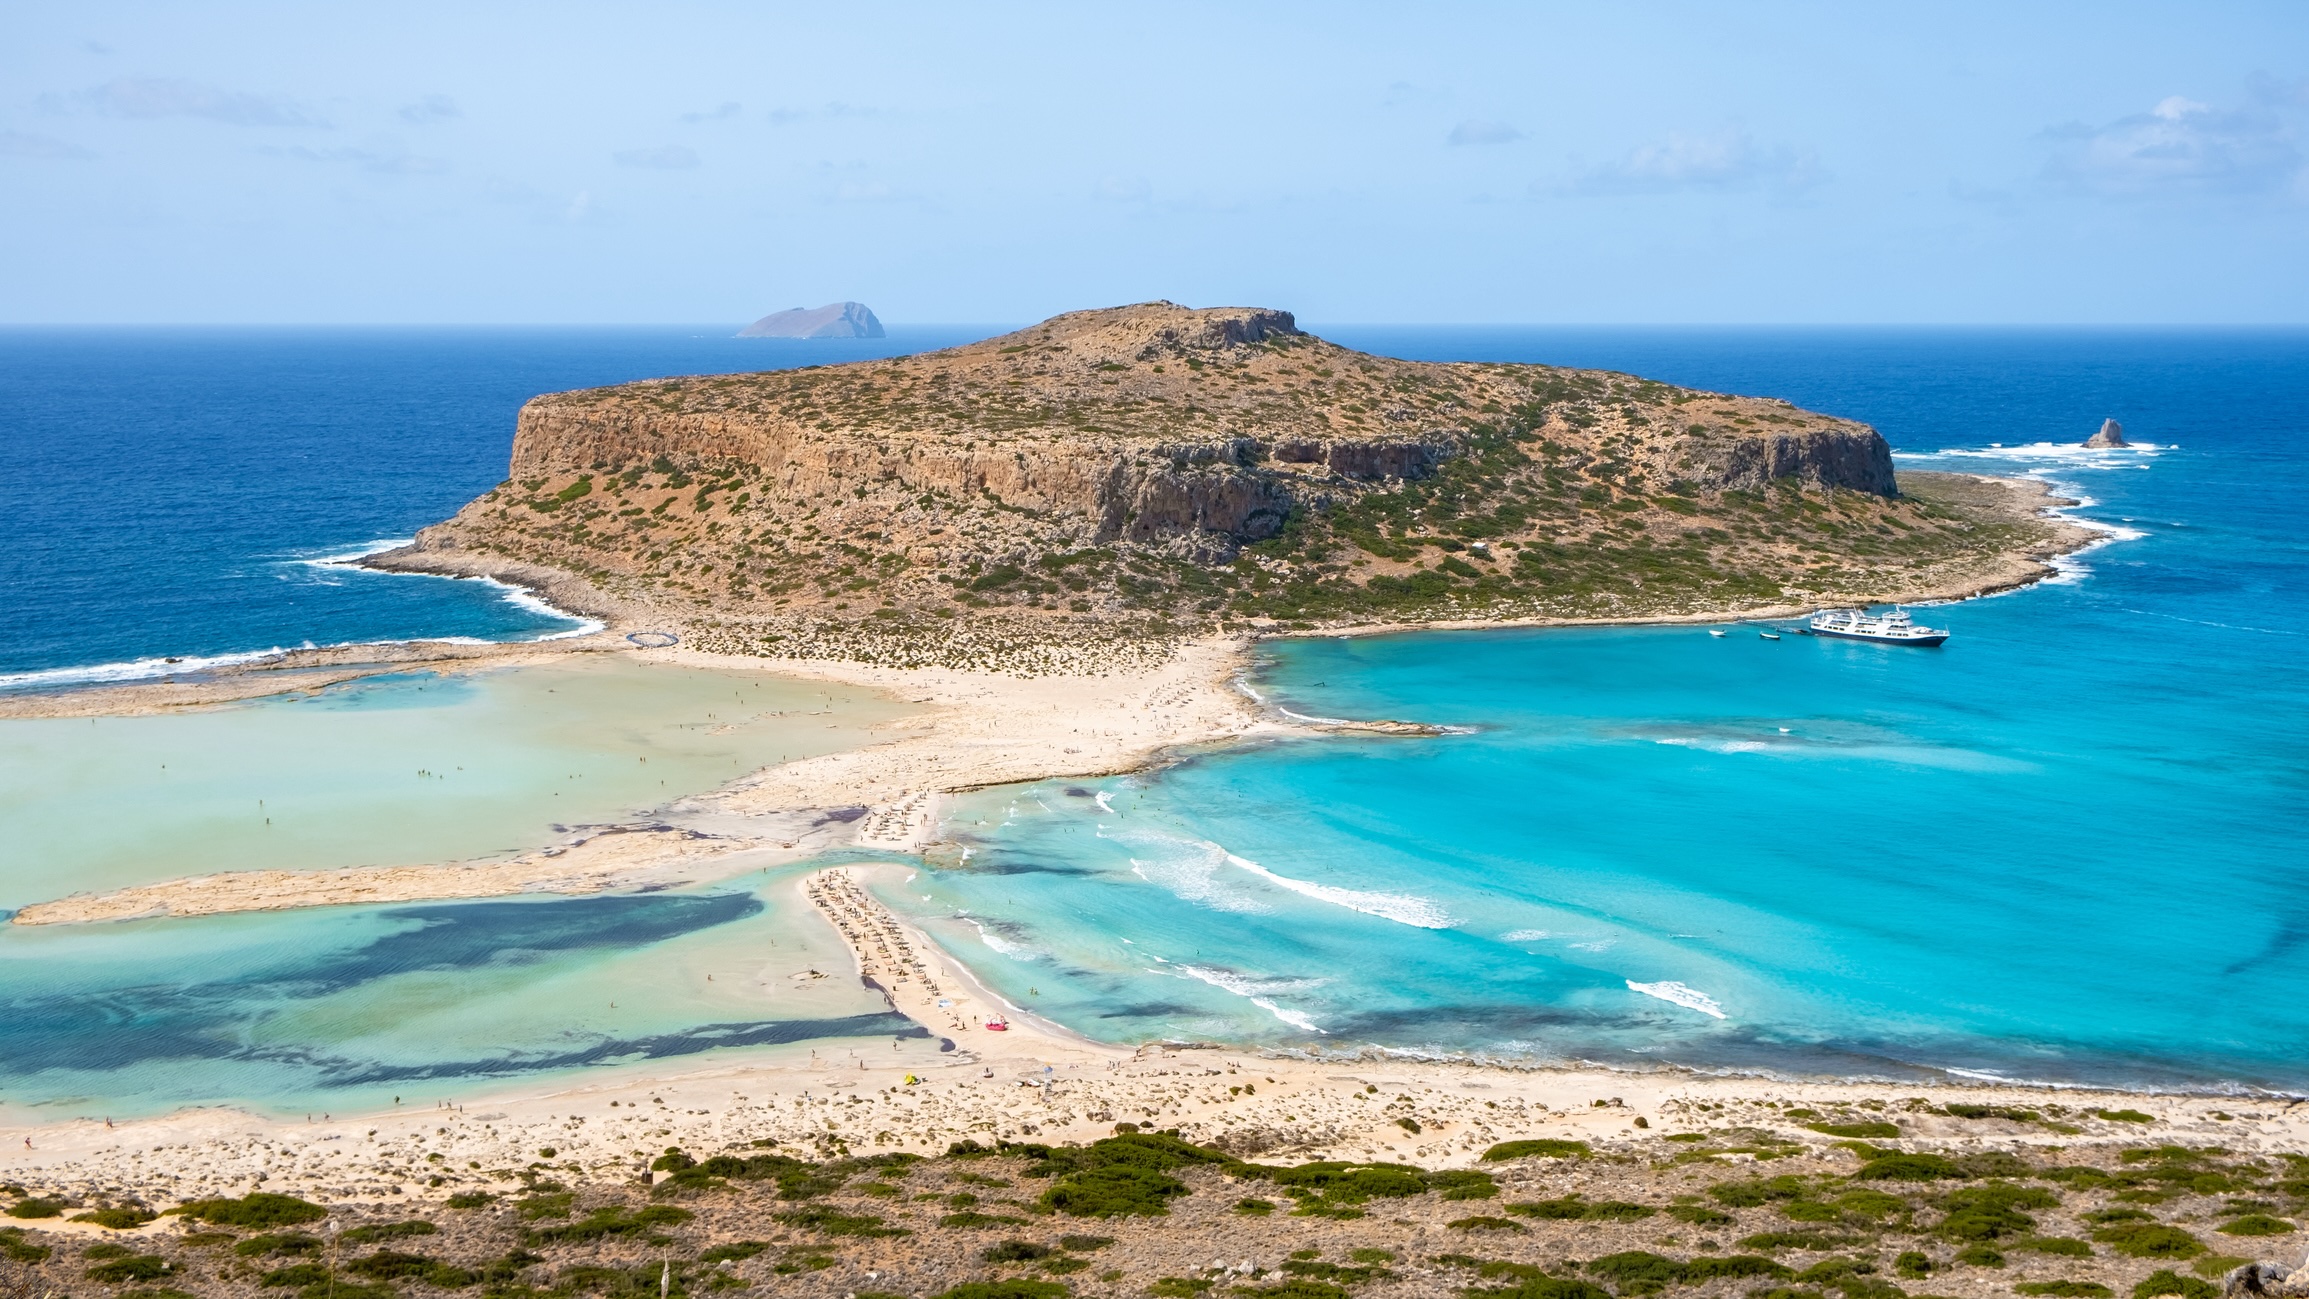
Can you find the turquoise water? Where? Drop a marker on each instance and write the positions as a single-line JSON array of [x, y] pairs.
[[2066, 847], [398, 770], [345, 1009], [2062, 848]]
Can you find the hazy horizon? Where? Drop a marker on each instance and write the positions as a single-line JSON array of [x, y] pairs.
[[259, 162]]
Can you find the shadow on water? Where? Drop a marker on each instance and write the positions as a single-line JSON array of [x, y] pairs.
[[125, 1027]]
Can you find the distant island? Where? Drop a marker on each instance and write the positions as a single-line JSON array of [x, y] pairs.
[[1156, 471], [834, 320]]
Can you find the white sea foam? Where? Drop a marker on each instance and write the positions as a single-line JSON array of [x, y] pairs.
[[137, 669], [520, 597], [1103, 805], [1688, 997], [2074, 454], [1402, 908], [1003, 946], [1193, 870], [1526, 936], [1255, 991]]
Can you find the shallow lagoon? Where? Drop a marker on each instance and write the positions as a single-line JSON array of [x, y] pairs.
[[393, 770], [342, 1008]]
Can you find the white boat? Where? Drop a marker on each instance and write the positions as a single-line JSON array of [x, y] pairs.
[[1717, 634], [1894, 628], [1769, 635]]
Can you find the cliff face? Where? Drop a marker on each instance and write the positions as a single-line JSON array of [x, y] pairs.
[[1170, 460], [1139, 450]]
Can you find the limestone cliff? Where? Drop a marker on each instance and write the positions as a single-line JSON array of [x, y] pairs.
[[1207, 463]]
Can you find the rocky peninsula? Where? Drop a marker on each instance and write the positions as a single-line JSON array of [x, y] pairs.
[[1151, 471]]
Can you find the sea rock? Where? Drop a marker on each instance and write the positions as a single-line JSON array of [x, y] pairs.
[[2112, 434], [2271, 1279], [834, 320]]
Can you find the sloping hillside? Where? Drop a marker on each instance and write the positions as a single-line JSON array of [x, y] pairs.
[[1147, 468]]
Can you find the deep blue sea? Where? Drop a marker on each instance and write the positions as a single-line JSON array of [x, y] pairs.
[[2065, 847], [169, 491]]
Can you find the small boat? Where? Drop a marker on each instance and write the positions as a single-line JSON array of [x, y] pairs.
[[1717, 634], [1769, 635], [1894, 628], [997, 1026]]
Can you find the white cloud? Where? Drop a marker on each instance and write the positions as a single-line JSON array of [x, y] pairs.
[[432, 108], [720, 112], [383, 162], [21, 144], [1478, 131], [1727, 160], [666, 157], [156, 97], [2181, 146], [830, 112], [1122, 189]]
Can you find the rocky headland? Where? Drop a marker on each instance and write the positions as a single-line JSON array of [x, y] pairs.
[[1152, 471]]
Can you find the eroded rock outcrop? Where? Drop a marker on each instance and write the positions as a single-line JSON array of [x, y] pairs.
[[1162, 459], [2112, 434]]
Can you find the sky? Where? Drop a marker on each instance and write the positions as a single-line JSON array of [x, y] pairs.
[[1622, 163]]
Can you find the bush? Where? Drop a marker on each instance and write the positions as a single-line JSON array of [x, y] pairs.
[[1543, 1287], [1014, 1289], [16, 1249], [1796, 1240], [1084, 1244], [1637, 1271], [1464, 1184], [735, 1251], [2149, 1240], [833, 1222], [1179, 1287], [1708, 1267], [120, 1219], [1114, 1191], [378, 1232], [1255, 1208], [2164, 1281], [35, 1207], [298, 1274], [470, 1199], [2255, 1224], [1482, 1223], [1912, 1265], [2125, 1116], [256, 1209], [1538, 1148], [1753, 1193], [1015, 1251], [1992, 1212], [1979, 1256], [1867, 1128], [283, 1242], [2065, 1246], [1909, 1168], [1347, 1183], [1295, 1288], [1699, 1215], [1568, 1207], [136, 1267], [615, 1220], [2065, 1289]]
